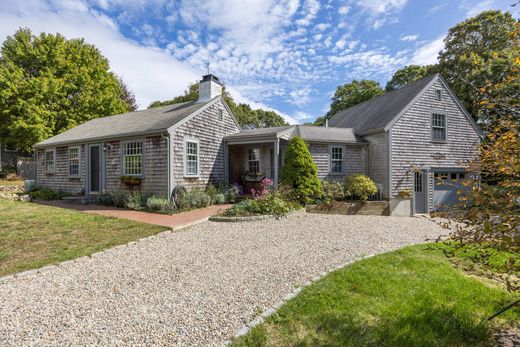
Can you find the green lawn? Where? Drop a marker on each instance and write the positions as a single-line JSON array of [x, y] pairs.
[[33, 235], [411, 297]]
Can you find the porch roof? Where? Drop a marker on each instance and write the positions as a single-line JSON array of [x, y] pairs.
[[307, 132]]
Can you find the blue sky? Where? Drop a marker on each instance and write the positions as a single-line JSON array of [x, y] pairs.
[[284, 55]]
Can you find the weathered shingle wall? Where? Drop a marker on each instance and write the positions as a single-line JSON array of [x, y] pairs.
[[378, 159], [209, 130], [60, 179], [155, 165], [412, 145], [354, 161]]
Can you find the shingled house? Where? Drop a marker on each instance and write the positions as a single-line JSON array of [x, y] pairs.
[[412, 139]]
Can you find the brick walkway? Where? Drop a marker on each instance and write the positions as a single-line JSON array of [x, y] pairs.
[[175, 221]]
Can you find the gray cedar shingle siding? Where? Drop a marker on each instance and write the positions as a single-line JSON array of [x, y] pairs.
[[209, 130], [412, 145], [59, 179], [378, 159], [155, 165], [354, 160]]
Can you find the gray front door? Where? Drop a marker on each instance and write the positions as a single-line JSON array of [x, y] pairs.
[[94, 169], [419, 196]]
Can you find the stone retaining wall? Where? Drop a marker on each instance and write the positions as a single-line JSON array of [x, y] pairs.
[[370, 208]]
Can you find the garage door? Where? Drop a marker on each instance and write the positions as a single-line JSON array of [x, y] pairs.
[[445, 189]]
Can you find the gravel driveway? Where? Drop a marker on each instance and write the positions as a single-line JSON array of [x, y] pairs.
[[194, 287]]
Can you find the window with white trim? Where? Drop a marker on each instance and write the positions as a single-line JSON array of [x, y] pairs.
[[438, 94], [438, 127], [253, 161], [336, 159], [220, 114], [49, 161], [192, 158], [73, 161], [133, 158]]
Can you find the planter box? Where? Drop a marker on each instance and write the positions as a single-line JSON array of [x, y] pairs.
[[369, 208]]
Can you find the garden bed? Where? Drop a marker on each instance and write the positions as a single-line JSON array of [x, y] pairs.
[[371, 208], [252, 218]]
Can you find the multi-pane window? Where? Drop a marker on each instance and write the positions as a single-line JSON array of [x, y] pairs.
[[438, 127], [73, 161], [133, 158], [418, 185], [336, 159], [49, 161], [192, 158], [438, 94], [220, 114], [254, 160]]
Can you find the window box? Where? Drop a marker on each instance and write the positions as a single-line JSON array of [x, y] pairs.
[[131, 180]]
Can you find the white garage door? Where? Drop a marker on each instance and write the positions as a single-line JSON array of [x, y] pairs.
[[445, 189]]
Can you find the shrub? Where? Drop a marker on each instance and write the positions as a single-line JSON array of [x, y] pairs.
[[134, 201], [359, 187], [47, 194], [233, 192], [266, 186], [158, 204], [270, 204], [300, 172], [193, 199], [219, 199], [119, 197], [332, 191]]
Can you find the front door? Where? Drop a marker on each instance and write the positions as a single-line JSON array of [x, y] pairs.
[[419, 196], [94, 169]]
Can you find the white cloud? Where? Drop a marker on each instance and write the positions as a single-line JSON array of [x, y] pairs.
[[381, 6], [322, 26], [300, 96], [343, 10], [409, 38], [428, 53], [340, 43], [301, 116], [309, 10]]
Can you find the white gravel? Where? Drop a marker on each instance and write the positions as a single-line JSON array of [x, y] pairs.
[[194, 287]]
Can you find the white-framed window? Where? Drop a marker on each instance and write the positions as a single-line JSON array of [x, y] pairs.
[[220, 114], [438, 94], [253, 160], [192, 158], [133, 158], [50, 155], [336, 159], [438, 127], [74, 154]]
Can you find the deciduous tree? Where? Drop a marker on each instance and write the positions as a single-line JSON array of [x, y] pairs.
[[49, 84]]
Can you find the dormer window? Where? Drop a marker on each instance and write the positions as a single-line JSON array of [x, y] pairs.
[[438, 94]]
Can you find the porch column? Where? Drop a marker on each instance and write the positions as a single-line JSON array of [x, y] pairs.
[[276, 158], [226, 163]]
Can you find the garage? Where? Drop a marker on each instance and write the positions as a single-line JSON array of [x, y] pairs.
[[446, 184]]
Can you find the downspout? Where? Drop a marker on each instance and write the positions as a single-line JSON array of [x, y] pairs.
[[167, 137]]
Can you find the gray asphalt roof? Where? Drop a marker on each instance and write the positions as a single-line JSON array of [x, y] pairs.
[[139, 122], [325, 134], [307, 132], [378, 112], [272, 131]]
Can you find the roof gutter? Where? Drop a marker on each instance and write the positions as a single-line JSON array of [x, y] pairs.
[[167, 137], [101, 138]]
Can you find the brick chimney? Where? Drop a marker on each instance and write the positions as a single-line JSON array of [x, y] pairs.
[[209, 87]]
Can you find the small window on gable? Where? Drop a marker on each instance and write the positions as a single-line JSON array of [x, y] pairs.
[[336, 159], [438, 94], [73, 161], [438, 127], [220, 114], [254, 160], [133, 158], [49, 160]]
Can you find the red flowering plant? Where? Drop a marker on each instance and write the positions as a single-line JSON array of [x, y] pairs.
[[266, 187]]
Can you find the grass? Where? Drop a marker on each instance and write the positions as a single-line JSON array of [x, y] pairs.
[[33, 236], [410, 297]]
